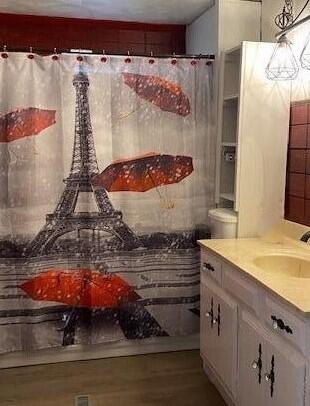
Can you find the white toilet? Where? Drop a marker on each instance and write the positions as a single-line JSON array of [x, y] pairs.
[[223, 223]]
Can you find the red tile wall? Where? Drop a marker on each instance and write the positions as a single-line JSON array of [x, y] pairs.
[[47, 33], [297, 202]]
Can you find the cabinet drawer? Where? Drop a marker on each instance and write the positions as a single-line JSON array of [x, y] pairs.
[[235, 283], [211, 266], [285, 323]]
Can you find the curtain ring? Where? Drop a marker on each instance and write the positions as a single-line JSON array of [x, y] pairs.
[[30, 56], [128, 60], [151, 61], [104, 58], [79, 58], [55, 57], [174, 61], [193, 62], [4, 54]]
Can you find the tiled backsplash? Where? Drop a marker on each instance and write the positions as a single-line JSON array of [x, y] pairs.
[[297, 202]]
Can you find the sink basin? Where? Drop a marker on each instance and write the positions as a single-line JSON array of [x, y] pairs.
[[285, 265]]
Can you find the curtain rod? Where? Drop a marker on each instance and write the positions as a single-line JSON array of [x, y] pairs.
[[209, 57]]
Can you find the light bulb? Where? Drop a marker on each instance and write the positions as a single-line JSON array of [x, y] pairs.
[[282, 64], [305, 55]]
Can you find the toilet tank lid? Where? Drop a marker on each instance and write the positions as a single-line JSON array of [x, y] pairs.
[[223, 215]]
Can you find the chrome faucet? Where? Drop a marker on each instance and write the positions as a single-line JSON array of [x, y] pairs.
[[305, 237]]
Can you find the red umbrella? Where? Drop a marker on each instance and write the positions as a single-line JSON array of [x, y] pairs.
[[144, 172], [80, 288], [24, 123], [166, 95]]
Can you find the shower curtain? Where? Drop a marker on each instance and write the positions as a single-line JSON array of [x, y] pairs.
[[106, 174]]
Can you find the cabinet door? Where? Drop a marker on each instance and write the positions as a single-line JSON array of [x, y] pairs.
[[251, 354], [219, 345], [286, 370], [207, 306]]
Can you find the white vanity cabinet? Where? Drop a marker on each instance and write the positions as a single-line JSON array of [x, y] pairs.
[[219, 332], [270, 372], [253, 350]]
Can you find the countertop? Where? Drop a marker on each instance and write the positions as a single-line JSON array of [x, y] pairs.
[[241, 253]]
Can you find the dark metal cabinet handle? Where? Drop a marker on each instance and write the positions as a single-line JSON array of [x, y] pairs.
[[210, 314], [215, 320], [218, 320], [270, 376], [258, 364], [208, 267], [279, 324]]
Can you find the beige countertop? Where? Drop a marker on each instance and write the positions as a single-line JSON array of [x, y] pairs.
[[242, 254]]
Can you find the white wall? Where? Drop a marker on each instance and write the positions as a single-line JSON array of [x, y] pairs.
[[224, 26], [202, 34], [270, 8], [240, 20]]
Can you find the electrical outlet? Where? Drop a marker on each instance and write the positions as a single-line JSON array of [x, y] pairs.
[[229, 156], [82, 400]]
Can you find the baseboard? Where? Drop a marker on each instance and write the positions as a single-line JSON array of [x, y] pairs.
[[108, 350]]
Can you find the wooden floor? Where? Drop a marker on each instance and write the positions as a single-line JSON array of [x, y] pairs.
[[172, 379]]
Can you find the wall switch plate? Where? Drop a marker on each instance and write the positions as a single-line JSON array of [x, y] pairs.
[[82, 400]]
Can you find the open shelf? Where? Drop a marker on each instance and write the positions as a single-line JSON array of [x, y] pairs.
[[229, 121], [228, 127], [232, 72], [227, 178], [228, 196], [231, 97]]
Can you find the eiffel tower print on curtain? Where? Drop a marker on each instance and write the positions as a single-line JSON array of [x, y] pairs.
[[84, 166]]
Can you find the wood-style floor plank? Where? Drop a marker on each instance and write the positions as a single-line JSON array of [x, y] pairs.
[[172, 379]]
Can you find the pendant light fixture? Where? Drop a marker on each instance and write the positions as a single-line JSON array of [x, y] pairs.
[[283, 64], [305, 55]]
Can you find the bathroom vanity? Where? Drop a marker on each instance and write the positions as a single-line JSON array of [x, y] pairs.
[[255, 320]]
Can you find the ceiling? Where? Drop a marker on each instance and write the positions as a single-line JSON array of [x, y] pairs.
[[147, 11]]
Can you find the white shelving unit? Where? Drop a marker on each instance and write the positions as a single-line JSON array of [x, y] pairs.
[[253, 120], [227, 127]]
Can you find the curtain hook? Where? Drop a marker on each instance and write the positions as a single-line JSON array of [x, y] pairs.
[[4, 53], [55, 56], [128, 60], [151, 61], [30, 55], [103, 59], [174, 61]]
